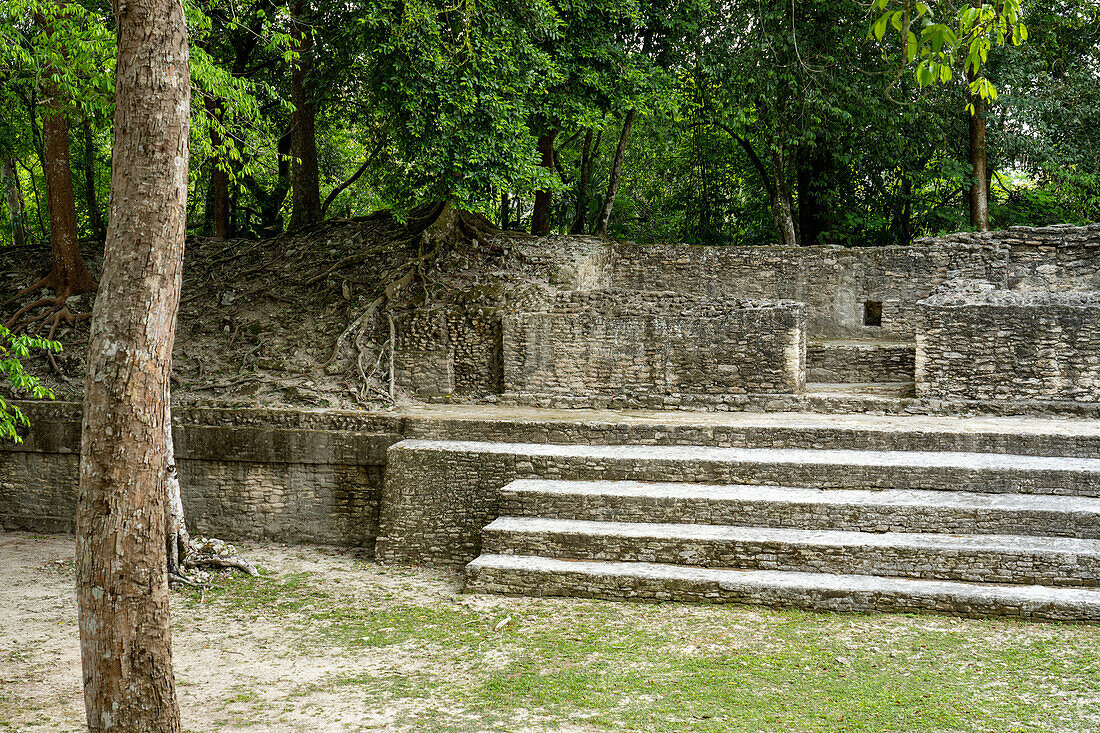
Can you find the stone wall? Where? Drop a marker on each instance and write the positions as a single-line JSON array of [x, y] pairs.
[[640, 345], [859, 361], [448, 351], [980, 343], [247, 474], [837, 283]]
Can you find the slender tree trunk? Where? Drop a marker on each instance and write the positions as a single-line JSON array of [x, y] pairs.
[[505, 210], [779, 193], [979, 186], [580, 217], [540, 218], [69, 276], [177, 541], [306, 193], [613, 181], [813, 213], [95, 218], [219, 179], [13, 197], [122, 580]]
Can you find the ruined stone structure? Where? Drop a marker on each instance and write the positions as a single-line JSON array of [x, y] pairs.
[[603, 340], [900, 428]]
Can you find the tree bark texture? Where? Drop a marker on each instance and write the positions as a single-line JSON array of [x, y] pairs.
[[613, 180], [306, 191], [13, 198], [69, 275], [979, 186], [122, 583], [540, 218]]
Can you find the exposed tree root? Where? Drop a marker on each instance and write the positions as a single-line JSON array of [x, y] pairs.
[[184, 553]]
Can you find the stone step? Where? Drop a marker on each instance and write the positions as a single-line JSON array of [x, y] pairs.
[[889, 510], [833, 469], [1017, 435], [969, 558], [539, 576], [860, 360]]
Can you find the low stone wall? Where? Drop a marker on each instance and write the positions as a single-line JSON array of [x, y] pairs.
[[247, 474], [641, 345], [859, 361], [980, 343]]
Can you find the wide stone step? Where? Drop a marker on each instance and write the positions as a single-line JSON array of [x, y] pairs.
[[1016, 435], [838, 469], [970, 558], [888, 510], [540, 576]]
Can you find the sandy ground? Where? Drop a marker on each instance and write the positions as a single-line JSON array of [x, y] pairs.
[[221, 665]]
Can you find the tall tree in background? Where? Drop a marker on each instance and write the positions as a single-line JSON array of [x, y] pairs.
[[122, 582], [68, 274], [305, 181], [931, 46]]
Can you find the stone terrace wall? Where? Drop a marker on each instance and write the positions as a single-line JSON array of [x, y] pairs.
[[979, 343], [641, 345], [247, 474], [836, 282], [448, 351]]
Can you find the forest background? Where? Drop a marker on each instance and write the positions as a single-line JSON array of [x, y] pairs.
[[729, 122]]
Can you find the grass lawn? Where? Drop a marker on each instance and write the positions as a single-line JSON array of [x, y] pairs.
[[324, 641]]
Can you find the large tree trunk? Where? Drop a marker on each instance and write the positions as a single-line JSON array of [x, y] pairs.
[[780, 196], [13, 197], [122, 581], [613, 181], [219, 179], [580, 217], [94, 216], [979, 186], [540, 217], [306, 194], [68, 276]]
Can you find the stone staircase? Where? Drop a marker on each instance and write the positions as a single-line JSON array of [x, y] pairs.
[[845, 529]]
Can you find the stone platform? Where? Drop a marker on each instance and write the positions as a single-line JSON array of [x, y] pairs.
[[975, 515], [871, 514]]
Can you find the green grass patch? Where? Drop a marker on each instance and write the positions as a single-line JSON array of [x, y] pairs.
[[610, 666]]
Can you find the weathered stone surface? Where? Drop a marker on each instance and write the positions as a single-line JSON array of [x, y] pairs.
[[977, 342], [885, 510], [641, 345], [860, 360], [536, 576], [439, 494], [970, 558], [835, 283], [248, 474]]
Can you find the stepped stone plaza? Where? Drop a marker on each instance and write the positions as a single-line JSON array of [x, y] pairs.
[[847, 429]]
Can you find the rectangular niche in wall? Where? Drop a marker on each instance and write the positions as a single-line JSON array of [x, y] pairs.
[[872, 313]]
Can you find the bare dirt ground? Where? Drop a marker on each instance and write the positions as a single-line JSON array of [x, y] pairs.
[[325, 641]]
